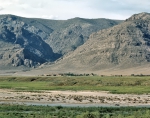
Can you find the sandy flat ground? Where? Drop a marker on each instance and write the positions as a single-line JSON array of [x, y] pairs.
[[109, 72], [74, 97]]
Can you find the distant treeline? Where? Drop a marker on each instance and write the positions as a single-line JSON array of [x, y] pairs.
[[91, 74], [140, 75], [70, 74]]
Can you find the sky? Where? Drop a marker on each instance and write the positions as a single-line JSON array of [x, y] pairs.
[[66, 9]]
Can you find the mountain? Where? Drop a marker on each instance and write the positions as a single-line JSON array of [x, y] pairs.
[[38, 26], [31, 42], [75, 32], [123, 46], [20, 44], [64, 36]]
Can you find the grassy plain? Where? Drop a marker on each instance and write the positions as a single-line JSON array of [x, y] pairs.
[[125, 84], [20, 111]]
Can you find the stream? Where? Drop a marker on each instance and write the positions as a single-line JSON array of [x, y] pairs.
[[71, 104]]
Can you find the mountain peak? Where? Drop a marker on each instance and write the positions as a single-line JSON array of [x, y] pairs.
[[140, 16]]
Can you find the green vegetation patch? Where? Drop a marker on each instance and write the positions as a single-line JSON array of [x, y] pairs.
[[125, 84], [21, 111]]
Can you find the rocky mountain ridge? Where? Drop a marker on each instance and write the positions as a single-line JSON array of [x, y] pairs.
[[20, 45], [123, 46], [76, 32], [31, 42]]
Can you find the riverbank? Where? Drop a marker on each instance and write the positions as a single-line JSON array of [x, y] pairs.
[[70, 98]]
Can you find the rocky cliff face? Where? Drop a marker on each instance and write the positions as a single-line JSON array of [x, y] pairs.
[[20, 44], [125, 45]]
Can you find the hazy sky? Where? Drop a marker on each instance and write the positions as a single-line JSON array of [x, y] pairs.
[[66, 9]]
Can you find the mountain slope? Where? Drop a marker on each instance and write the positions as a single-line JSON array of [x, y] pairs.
[[75, 32], [23, 40], [19, 45], [64, 35], [123, 46], [39, 28]]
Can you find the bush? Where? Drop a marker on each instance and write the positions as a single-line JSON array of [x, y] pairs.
[[89, 115]]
